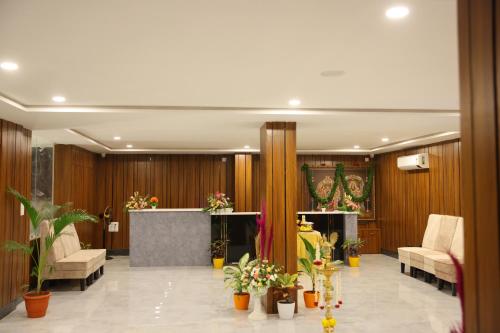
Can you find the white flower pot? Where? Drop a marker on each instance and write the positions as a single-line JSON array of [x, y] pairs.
[[323, 209], [286, 310], [258, 312], [228, 210]]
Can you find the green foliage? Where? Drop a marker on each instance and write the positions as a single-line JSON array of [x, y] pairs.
[[307, 264], [286, 282], [339, 179], [58, 217], [352, 246], [218, 248], [233, 275]]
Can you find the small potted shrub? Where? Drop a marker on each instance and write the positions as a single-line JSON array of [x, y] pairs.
[[238, 278], [218, 203], [153, 202], [59, 217], [284, 284], [218, 250], [308, 267], [352, 247]]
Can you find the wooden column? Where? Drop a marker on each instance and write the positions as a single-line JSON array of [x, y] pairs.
[[479, 31], [243, 182], [278, 176]]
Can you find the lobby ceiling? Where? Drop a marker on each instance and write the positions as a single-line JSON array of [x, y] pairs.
[[204, 75]]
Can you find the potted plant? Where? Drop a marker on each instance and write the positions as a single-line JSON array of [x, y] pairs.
[[136, 201], [352, 246], [218, 203], [238, 278], [348, 205], [218, 250], [59, 217], [324, 207], [285, 283], [262, 275], [308, 266], [153, 202]]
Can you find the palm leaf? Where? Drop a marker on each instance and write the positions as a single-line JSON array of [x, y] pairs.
[[311, 251], [30, 210], [71, 217], [243, 261], [11, 245], [306, 265]]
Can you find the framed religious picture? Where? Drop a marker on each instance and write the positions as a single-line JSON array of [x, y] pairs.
[[357, 178]]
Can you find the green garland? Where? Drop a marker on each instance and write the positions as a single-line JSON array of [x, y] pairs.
[[339, 178]]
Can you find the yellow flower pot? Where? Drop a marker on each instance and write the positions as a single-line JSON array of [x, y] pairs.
[[354, 261], [218, 263]]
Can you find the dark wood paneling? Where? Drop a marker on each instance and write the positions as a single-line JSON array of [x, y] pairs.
[[243, 200], [479, 33], [75, 172], [406, 198], [179, 181], [15, 172]]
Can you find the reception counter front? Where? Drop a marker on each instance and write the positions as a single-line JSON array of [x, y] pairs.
[[181, 237]]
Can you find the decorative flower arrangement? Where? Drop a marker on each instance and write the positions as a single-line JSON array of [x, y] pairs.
[[218, 201], [349, 205], [260, 276], [137, 201], [153, 202]]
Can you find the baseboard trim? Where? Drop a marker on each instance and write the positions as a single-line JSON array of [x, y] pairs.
[[390, 253], [5, 310], [118, 252]]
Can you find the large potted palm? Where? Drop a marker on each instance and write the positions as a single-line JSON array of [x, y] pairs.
[[59, 217]]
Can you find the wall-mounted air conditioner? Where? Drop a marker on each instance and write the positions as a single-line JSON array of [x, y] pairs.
[[414, 162]]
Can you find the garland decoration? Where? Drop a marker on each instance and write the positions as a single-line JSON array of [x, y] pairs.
[[339, 178]]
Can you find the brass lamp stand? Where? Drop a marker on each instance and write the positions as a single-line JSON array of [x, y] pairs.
[[327, 269]]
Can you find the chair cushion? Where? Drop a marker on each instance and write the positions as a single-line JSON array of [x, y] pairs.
[[445, 269], [70, 240], [404, 254], [457, 244], [431, 231], [430, 259], [446, 233], [417, 257], [82, 260]]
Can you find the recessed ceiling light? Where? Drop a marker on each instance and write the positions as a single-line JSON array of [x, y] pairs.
[[356, 147], [9, 66], [397, 12], [385, 139], [117, 138], [246, 147], [294, 102], [130, 146], [59, 99]]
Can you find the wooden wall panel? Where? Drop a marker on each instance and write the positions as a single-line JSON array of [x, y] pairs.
[[179, 181], [404, 199], [75, 175], [243, 199], [15, 172]]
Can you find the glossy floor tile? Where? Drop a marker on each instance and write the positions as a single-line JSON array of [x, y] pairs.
[[377, 298]]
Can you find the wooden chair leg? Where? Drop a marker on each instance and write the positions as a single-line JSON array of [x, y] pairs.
[[403, 267], [440, 284], [101, 269], [83, 284], [96, 275], [454, 289], [427, 277]]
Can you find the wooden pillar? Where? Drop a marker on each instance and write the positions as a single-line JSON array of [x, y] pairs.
[[243, 182], [479, 31], [278, 176]]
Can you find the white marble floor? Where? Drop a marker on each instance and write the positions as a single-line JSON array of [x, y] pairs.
[[377, 298]]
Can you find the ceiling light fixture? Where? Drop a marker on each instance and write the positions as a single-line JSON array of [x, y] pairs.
[[356, 147], [59, 99], [9, 66], [294, 102], [130, 146], [116, 138], [397, 12], [385, 139], [246, 147]]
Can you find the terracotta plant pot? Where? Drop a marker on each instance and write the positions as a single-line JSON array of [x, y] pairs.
[[354, 261], [241, 301], [36, 304], [311, 298], [218, 263]]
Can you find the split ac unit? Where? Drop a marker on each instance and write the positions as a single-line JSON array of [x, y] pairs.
[[414, 162]]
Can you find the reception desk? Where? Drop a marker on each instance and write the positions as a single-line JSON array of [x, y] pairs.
[[181, 237]]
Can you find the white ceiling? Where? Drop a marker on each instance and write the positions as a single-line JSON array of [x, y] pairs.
[[199, 75]]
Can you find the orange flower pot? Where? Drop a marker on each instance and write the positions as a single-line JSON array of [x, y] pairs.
[[241, 301], [311, 298], [36, 304]]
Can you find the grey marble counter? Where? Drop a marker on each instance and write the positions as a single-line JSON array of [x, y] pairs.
[[169, 237]]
